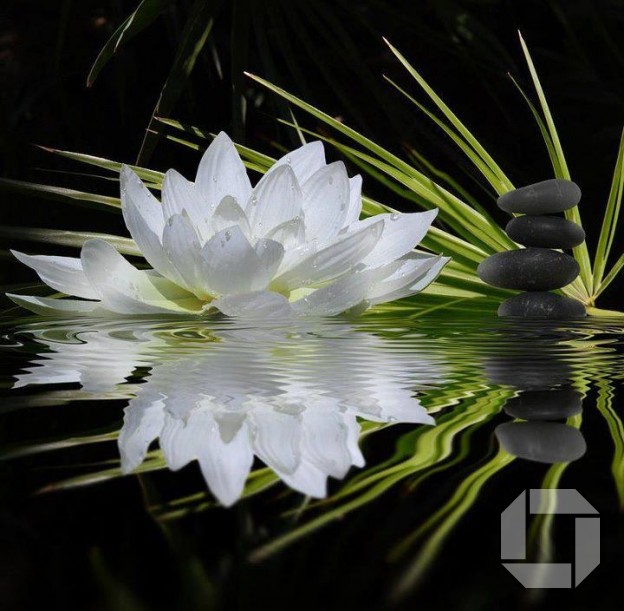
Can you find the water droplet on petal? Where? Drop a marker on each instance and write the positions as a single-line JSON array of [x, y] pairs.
[[394, 216], [214, 179], [228, 236]]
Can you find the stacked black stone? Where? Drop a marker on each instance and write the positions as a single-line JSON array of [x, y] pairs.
[[537, 269]]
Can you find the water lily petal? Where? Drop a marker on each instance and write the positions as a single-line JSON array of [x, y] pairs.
[[221, 172], [47, 306], [134, 194], [399, 406], [277, 198], [231, 265], [182, 245], [229, 213], [432, 269], [143, 421], [144, 219], [179, 194], [259, 304], [430, 276], [127, 290], [270, 253], [64, 274], [355, 200], [401, 274], [276, 439], [290, 234], [307, 479], [229, 422], [342, 255], [353, 440], [226, 465], [51, 375], [402, 232], [326, 201], [304, 161], [324, 442], [83, 362], [180, 440], [336, 297]]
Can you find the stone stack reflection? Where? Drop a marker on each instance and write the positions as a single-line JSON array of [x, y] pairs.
[[544, 402]]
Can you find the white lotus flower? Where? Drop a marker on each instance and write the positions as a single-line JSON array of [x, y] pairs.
[[293, 244], [290, 395]]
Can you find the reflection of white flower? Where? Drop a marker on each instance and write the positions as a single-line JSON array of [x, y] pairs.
[[294, 243], [290, 396]]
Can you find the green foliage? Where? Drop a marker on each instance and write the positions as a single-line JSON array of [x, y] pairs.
[[465, 229]]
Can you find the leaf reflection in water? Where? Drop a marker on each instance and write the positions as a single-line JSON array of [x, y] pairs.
[[289, 395]]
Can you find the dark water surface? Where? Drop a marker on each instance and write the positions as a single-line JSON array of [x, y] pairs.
[[456, 417]]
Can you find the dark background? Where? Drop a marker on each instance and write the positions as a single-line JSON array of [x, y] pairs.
[[331, 54], [465, 49]]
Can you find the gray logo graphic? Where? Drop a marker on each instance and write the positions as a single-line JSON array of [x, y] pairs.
[[545, 574]]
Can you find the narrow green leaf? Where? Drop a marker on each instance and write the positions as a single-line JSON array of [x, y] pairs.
[[581, 253], [610, 219], [472, 155], [504, 183], [151, 176], [552, 153], [337, 125], [610, 277], [561, 161], [604, 403], [93, 200], [193, 38], [577, 289], [144, 15], [183, 127], [256, 158], [294, 121], [418, 157], [75, 239]]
